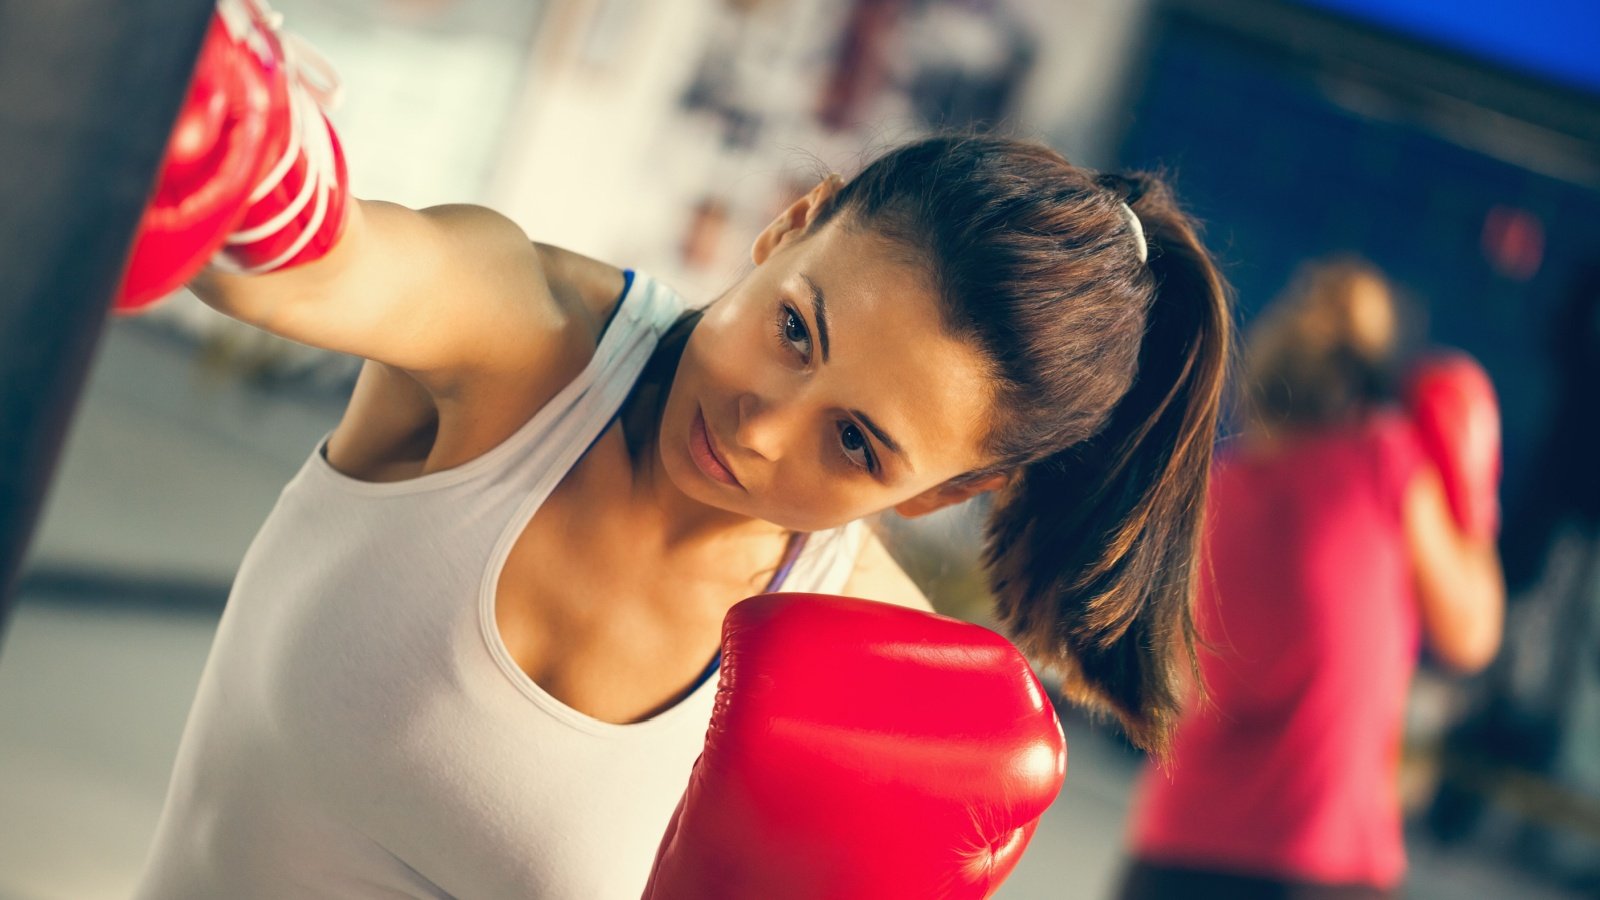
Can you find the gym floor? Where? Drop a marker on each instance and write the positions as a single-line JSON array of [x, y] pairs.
[[168, 472]]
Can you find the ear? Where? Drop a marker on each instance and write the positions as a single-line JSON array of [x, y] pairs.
[[793, 221], [947, 494]]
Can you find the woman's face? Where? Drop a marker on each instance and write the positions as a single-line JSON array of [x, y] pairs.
[[821, 387]]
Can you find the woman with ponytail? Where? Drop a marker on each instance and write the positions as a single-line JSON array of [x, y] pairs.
[[1103, 330], [967, 314]]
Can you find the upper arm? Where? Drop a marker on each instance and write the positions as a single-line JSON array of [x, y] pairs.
[[878, 577], [1459, 584], [441, 293]]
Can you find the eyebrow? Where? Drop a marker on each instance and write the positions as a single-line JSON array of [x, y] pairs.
[[819, 308], [883, 436]]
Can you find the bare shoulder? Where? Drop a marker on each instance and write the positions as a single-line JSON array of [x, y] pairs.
[[532, 302], [878, 577], [584, 288], [552, 306], [563, 301]]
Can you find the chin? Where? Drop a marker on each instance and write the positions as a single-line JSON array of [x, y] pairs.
[[673, 455]]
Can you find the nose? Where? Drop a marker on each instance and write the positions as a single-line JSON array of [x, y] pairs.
[[766, 425]]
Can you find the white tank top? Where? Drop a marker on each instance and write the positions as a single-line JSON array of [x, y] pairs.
[[360, 729]]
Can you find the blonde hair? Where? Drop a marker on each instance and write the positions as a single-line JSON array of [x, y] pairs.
[[1319, 353]]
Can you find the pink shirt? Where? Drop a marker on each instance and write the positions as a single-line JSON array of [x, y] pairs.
[[1306, 598]]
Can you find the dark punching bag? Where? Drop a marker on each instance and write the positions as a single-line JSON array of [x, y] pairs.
[[89, 90]]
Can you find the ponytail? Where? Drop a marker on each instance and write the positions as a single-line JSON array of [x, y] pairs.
[[1108, 355], [1091, 552]]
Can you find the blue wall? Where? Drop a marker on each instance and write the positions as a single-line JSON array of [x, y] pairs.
[[1555, 39]]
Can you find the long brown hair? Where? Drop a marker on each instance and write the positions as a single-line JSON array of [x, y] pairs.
[[1109, 373]]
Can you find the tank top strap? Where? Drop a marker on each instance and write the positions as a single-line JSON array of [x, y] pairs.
[[825, 563], [539, 454], [555, 437]]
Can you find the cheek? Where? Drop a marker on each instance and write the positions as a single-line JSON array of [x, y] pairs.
[[730, 318], [735, 343], [714, 359], [811, 495], [723, 365]]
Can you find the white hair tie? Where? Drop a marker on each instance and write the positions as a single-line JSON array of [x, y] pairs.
[[1137, 227]]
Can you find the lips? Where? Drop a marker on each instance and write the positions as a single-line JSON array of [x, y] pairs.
[[704, 453]]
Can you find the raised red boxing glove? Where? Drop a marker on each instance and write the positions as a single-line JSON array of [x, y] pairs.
[[295, 214], [1457, 418], [214, 158], [861, 750], [254, 178]]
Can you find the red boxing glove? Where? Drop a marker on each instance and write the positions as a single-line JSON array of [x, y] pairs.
[[213, 159], [253, 168], [1457, 418], [861, 750], [295, 213]]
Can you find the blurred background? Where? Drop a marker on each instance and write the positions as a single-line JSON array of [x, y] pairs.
[[1456, 145]]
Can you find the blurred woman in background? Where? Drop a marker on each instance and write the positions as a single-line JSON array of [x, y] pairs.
[[1333, 548]]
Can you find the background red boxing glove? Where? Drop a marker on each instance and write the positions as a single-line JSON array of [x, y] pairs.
[[861, 750], [1457, 417]]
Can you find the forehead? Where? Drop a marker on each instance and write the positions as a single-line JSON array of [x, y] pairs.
[[890, 355]]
